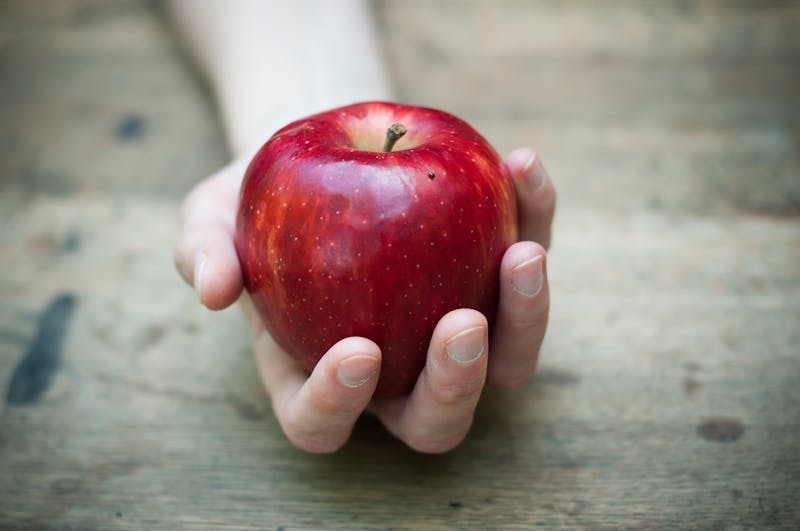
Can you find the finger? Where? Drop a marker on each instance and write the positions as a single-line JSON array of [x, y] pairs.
[[207, 259], [521, 315], [535, 193], [438, 414], [317, 413], [205, 254]]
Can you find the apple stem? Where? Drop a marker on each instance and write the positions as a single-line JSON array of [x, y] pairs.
[[393, 134]]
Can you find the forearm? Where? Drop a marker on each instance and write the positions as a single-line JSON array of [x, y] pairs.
[[270, 62]]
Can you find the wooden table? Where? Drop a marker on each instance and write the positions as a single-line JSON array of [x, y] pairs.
[[668, 393]]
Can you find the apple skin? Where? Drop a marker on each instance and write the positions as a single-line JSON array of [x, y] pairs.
[[337, 238]]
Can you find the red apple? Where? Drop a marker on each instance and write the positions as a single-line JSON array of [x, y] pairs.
[[340, 236]]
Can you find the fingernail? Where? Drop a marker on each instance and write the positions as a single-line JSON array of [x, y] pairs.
[[527, 278], [467, 346], [534, 171], [355, 371], [199, 268]]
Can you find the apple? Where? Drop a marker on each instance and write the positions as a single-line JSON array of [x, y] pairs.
[[347, 229]]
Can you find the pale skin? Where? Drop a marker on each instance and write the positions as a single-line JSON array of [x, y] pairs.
[[317, 412]]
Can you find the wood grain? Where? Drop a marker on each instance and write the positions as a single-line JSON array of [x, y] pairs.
[[667, 394]]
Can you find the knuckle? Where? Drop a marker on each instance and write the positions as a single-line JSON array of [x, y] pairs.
[[327, 405], [435, 443], [525, 323], [453, 394], [194, 196], [527, 317], [312, 439]]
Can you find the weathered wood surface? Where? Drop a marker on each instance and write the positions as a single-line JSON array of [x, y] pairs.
[[667, 395]]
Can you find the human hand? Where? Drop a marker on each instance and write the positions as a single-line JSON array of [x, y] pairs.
[[317, 412]]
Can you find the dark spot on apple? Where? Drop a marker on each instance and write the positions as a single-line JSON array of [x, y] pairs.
[[431, 175], [131, 127], [37, 368], [721, 429]]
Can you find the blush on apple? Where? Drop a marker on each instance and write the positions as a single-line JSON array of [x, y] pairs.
[[346, 230]]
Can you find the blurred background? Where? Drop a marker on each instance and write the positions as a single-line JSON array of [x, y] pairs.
[[667, 392]]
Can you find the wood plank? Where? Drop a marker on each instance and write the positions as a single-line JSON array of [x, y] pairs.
[[667, 393]]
